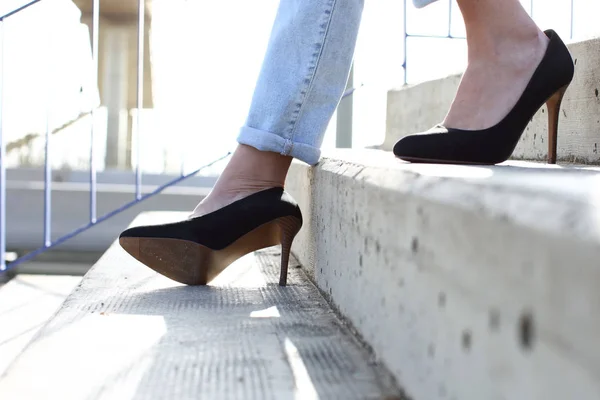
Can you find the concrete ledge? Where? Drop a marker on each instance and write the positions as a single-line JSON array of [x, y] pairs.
[[469, 282], [418, 108]]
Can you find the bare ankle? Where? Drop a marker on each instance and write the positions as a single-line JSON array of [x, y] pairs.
[[249, 164], [518, 51], [248, 171]]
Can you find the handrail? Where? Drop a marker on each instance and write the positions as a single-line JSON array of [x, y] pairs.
[[18, 10]]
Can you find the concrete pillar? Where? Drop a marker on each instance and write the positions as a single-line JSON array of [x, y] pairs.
[[117, 80]]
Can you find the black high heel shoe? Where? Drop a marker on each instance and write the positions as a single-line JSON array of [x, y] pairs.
[[195, 251], [496, 144]]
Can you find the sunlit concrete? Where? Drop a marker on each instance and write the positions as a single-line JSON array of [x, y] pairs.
[[128, 333], [26, 303]]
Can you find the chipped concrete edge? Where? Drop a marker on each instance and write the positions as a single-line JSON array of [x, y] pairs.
[[354, 334], [423, 267]]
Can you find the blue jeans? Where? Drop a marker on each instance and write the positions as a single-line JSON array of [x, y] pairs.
[[303, 76]]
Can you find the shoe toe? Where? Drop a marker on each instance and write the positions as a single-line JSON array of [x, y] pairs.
[[135, 232], [169, 230], [407, 146], [421, 146]]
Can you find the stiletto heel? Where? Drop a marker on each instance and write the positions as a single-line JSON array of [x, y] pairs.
[[553, 105], [289, 228], [195, 251], [497, 143]]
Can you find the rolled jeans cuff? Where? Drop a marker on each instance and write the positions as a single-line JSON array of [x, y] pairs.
[[268, 141]]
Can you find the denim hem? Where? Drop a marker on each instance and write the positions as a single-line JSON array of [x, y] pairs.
[[268, 141]]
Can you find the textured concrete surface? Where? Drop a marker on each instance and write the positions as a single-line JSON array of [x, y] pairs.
[[26, 304], [419, 107], [127, 333], [469, 282]]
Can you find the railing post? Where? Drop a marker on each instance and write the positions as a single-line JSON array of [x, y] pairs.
[[572, 17], [450, 18], [47, 162], [404, 63], [2, 158], [95, 58], [140, 97]]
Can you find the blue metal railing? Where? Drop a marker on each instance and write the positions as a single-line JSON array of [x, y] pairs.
[[140, 94], [95, 35], [48, 243], [18, 10]]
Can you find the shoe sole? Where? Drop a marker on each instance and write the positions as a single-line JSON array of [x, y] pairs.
[[191, 263], [433, 161]]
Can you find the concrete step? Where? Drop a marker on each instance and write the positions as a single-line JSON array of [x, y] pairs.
[[128, 333], [468, 282], [26, 304], [419, 107]]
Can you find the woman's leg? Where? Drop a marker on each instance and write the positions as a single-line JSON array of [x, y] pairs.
[[505, 47], [302, 79]]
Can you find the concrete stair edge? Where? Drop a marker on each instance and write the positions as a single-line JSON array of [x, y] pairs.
[[468, 282]]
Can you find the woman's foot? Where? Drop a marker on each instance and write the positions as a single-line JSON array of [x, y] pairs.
[[247, 210], [249, 171], [494, 81], [505, 48], [197, 250], [495, 143]]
